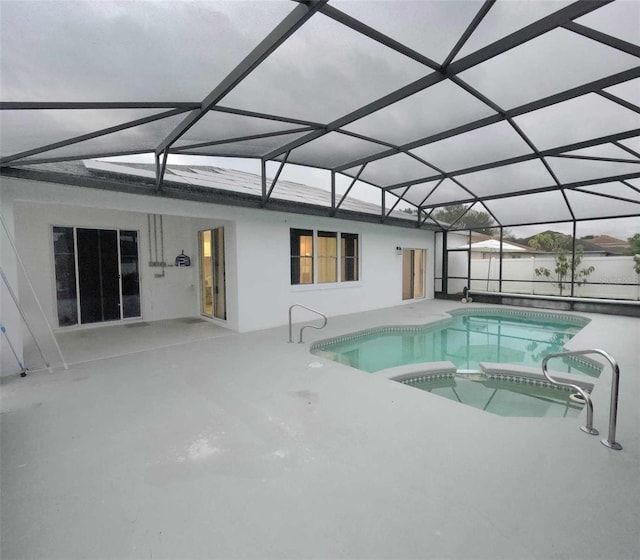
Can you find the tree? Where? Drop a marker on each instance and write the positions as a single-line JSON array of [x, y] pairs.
[[636, 269], [477, 220], [634, 245], [551, 242], [566, 267]]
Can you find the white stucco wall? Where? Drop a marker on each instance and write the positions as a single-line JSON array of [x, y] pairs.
[[162, 298], [259, 291], [264, 269]]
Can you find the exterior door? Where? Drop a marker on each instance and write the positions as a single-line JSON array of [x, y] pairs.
[[413, 267], [97, 275], [212, 273]]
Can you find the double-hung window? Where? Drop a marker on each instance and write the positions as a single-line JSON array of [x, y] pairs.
[[322, 257], [301, 256], [349, 257], [327, 257]]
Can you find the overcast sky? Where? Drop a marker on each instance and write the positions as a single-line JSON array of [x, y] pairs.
[[179, 51]]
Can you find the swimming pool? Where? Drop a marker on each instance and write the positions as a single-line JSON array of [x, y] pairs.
[[503, 395], [468, 338]]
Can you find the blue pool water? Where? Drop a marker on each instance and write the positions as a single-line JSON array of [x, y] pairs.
[[467, 339]]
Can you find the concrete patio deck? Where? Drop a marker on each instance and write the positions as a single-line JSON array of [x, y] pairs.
[[239, 446]]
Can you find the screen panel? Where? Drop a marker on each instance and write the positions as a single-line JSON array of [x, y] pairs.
[[586, 205], [530, 209], [393, 169], [565, 123], [334, 149], [633, 144], [608, 247], [440, 107], [614, 188], [534, 270], [216, 125], [629, 91], [554, 62], [24, 130], [247, 148], [430, 28], [573, 170], [604, 151], [138, 138], [619, 19], [448, 191], [506, 17], [140, 44], [417, 193], [317, 89], [483, 145], [509, 178]]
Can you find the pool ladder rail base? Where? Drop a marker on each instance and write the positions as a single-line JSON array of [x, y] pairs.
[[324, 324], [610, 442]]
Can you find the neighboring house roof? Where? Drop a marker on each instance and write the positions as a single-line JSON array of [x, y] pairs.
[[604, 244], [611, 243], [491, 244]]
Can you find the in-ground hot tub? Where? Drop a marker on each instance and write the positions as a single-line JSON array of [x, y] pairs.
[[525, 395]]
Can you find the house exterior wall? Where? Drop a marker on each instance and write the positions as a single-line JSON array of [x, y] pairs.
[[257, 248], [161, 298], [264, 269]]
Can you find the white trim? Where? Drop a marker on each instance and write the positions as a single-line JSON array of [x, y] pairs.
[[339, 256]]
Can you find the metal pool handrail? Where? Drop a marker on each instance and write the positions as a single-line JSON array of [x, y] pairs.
[[324, 324], [610, 442]]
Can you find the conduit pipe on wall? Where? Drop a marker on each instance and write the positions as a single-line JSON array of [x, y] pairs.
[[154, 259], [155, 240], [149, 230], [162, 263], [162, 242]]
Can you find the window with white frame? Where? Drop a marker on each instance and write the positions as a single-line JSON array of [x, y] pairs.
[[321, 257]]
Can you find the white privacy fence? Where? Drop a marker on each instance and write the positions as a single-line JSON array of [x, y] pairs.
[[518, 276]]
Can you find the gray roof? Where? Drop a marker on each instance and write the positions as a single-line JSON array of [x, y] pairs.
[[207, 183]]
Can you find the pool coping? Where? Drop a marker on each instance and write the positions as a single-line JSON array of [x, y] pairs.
[[492, 371]]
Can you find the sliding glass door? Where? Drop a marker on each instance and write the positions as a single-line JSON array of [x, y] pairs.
[[97, 275], [212, 273]]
